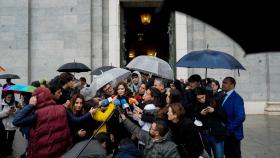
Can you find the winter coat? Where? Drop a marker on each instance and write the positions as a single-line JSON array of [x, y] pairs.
[[162, 148], [7, 119], [214, 122], [50, 136], [134, 87], [185, 135], [101, 116], [87, 126], [234, 108]]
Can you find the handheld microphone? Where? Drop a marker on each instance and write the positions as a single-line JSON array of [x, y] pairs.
[[117, 103], [125, 105], [105, 102], [138, 97], [132, 101]]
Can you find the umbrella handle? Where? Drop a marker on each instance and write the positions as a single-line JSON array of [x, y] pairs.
[[238, 72]]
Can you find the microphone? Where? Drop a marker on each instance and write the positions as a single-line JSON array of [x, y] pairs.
[[117, 103], [105, 102], [138, 97], [132, 101], [125, 105]]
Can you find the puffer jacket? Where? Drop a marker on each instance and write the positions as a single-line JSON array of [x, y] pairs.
[[50, 136], [162, 148]]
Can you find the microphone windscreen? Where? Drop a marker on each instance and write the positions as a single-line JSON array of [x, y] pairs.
[[133, 101], [104, 102], [117, 102], [123, 101]]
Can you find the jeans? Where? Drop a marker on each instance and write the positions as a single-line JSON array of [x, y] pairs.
[[211, 143]]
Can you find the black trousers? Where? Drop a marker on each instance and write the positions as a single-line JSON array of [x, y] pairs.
[[232, 147], [6, 141]]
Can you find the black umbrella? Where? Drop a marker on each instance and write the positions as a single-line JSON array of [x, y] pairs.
[[254, 26], [101, 69], [11, 76], [73, 67]]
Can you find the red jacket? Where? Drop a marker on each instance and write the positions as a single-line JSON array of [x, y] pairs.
[[50, 137]]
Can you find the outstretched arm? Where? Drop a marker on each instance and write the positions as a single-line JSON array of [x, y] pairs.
[[134, 129], [102, 116]]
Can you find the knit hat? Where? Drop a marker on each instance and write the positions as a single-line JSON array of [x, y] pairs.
[[88, 92]]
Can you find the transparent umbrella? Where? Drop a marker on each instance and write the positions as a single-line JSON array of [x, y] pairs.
[[98, 71], [114, 76], [151, 65]]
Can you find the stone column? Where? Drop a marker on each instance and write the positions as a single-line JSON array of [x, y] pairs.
[[181, 42], [96, 33], [114, 33]]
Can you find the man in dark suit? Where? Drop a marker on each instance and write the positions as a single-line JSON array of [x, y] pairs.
[[233, 106]]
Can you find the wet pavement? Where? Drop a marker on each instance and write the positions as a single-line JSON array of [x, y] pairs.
[[262, 138]]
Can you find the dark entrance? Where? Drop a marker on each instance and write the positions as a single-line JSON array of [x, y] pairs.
[[143, 39]]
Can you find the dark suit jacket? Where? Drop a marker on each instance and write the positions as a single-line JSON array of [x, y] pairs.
[[234, 108]]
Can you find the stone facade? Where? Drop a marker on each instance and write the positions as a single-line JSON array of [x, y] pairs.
[[37, 36]]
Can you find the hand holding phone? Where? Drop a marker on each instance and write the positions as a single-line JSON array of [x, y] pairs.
[[12, 109], [210, 109], [204, 111]]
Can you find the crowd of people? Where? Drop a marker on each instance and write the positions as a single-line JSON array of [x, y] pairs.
[[142, 116]]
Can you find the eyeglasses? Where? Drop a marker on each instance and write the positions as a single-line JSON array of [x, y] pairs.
[[107, 89]]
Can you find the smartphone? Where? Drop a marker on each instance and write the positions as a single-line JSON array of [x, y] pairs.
[[205, 109]]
